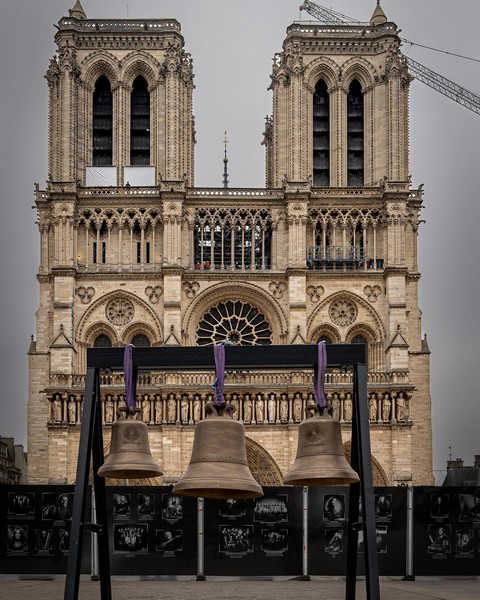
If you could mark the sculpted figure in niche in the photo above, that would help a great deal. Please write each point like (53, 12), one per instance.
(272, 408)
(146, 410)
(347, 407)
(247, 409)
(372, 408)
(335, 403)
(57, 409)
(122, 405)
(259, 409)
(158, 409)
(197, 403)
(71, 411)
(386, 408)
(401, 408)
(184, 409)
(234, 402)
(109, 410)
(171, 408)
(284, 408)
(297, 407)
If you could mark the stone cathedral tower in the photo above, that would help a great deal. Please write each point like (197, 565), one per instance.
(133, 252)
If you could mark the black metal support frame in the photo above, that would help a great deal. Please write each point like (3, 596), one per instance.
(202, 358)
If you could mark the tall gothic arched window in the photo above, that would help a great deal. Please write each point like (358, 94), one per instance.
(321, 135)
(102, 151)
(355, 136)
(140, 123)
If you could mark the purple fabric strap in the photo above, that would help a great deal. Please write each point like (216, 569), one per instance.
(130, 379)
(219, 353)
(319, 377)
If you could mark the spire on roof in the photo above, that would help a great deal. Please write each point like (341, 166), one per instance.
(225, 163)
(77, 11)
(378, 17)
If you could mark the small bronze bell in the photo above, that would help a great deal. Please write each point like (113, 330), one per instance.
(320, 456)
(130, 456)
(218, 466)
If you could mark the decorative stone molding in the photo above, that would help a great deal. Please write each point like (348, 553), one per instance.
(154, 293)
(190, 288)
(120, 311)
(315, 292)
(343, 312)
(372, 292)
(278, 288)
(85, 294)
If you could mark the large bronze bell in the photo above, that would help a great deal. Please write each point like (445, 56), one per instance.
(130, 456)
(320, 456)
(218, 466)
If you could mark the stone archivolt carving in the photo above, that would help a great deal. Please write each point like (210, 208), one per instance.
(85, 294)
(278, 288)
(119, 311)
(190, 288)
(154, 293)
(315, 292)
(372, 292)
(343, 312)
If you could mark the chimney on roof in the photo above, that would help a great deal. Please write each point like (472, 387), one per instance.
(477, 461)
(455, 464)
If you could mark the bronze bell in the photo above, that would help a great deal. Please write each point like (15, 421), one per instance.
(130, 456)
(320, 456)
(218, 466)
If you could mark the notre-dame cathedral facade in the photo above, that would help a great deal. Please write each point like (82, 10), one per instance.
(133, 252)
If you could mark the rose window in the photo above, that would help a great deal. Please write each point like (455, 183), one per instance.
(343, 312)
(119, 311)
(238, 323)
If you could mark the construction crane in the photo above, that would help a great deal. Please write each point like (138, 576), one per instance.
(435, 81)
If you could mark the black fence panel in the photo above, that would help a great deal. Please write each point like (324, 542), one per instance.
(255, 537)
(446, 531)
(152, 532)
(328, 531)
(35, 529)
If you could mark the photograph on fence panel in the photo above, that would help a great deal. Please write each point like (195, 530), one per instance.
(256, 537)
(446, 532)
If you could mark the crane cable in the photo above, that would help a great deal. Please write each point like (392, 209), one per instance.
(442, 51)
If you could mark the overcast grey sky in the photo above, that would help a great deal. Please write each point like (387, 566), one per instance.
(232, 43)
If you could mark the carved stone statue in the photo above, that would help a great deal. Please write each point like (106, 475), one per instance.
(336, 407)
(72, 410)
(386, 408)
(297, 407)
(158, 409)
(272, 408)
(247, 409)
(146, 410)
(401, 407)
(347, 407)
(197, 405)
(109, 410)
(284, 408)
(171, 408)
(57, 410)
(372, 408)
(259, 409)
(184, 409)
(235, 403)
